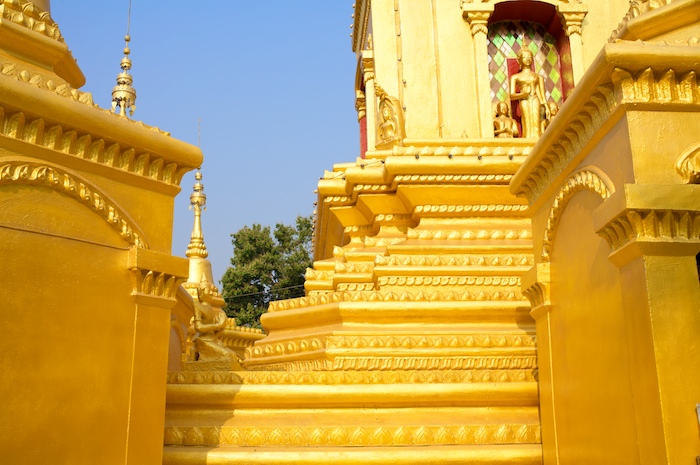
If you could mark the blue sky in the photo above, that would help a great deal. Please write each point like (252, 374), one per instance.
(272, 82)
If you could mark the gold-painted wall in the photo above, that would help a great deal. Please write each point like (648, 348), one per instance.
(590, 373)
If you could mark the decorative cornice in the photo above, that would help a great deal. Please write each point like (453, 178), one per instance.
(156, 276)
(320, 436)
(45, 81)
(649, 87)
(637, 8)
(614, 81)
(26, 14)
(688, 166)
(353, 377)
(390, 296)
(654, 225)
(68, 184)
(581, 180)
(360, 17)
(155, 283)
(19, 125)
(559, 154)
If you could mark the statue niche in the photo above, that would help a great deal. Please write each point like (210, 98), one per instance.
(390, 124)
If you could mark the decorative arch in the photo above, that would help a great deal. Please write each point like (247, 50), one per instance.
(68, 184)
(585, 179)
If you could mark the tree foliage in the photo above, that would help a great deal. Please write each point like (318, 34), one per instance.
(266, 265)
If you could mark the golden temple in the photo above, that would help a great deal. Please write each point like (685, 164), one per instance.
(508, 274)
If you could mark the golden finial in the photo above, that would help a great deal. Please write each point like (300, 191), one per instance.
(123, 94)
(198, 201)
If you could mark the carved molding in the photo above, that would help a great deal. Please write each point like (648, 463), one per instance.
(683, 226)
(688, 166)
(560, 153)
(391, 363)
(360, 294)
(451, 210)
(367, 66)
(30, 16)
(467, 235)
(390, 342)
(351, 377)
(456, 260)
(155, 283)
(452, 178)
(448, 281)
(360, 104)
(469, 151)
(319, 436)
(536, 289)
(37, 131)
(44, 81)
(579, 181)
(572, 21)
(637, 8)
(478, 21)
(62, 182)
(642, 88)
(360, 24)
(664, 87)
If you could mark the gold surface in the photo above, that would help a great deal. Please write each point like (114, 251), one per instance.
(446, 319)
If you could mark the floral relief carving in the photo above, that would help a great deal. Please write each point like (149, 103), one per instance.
(351, 377)
(319, 436)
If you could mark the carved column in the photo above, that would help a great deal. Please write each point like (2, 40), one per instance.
(572, 18)
(370, 98)
(477, 15)
(654, 234)
(536, 285)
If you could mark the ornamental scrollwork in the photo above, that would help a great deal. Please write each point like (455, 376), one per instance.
(688, 166)
(59, 181)
(579, 181)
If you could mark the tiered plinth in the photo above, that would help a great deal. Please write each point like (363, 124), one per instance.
(352, 417)
(414, 343)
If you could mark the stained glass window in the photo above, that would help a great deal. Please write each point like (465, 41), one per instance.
(506, 40)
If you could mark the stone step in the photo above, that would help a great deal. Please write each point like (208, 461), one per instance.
(520, 454)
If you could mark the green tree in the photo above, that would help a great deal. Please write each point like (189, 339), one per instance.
(266, 265)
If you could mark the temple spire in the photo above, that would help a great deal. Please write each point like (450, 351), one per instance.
(124, 94)
(198, 201)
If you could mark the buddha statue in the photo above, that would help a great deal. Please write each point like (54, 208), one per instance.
(390, 127)
(553, 110)
(527, 87)
(503, 125)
